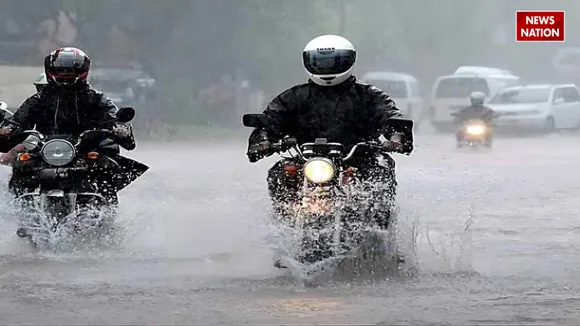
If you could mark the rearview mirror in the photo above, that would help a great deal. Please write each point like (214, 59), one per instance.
(255, 120)
(125, 114)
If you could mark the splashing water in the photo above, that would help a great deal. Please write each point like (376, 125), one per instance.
(376, 255)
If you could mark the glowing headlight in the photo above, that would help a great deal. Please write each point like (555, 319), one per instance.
(476, 130)
(319, 170)
(58, 152)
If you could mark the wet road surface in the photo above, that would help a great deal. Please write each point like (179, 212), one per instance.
(497, 242)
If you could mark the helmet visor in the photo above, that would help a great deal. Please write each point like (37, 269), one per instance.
(67, 67)
(328, 62)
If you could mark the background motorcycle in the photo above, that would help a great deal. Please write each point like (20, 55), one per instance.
(474, 133)
(69, 173)
(329, 214)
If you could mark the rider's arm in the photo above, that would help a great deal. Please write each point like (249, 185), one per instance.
(25, 116)
(382, 111)
(123, 133)
(489, 114)
(281, 113)
(281, 121)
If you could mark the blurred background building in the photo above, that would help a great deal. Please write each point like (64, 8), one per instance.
(202, 63)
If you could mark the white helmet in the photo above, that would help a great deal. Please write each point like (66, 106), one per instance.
(40, 82)
(329, 59)
(477, 98)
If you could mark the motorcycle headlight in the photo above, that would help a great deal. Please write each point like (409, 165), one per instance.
(319, 170)
(476, 130)
(58, 152)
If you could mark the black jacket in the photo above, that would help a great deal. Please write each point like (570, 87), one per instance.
(481, 112)
(347, 113)
(74, 111)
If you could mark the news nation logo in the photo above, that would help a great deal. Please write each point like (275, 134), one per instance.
(540, 26)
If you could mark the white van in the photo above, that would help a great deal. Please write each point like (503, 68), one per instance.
(403, 88)
(451, 93)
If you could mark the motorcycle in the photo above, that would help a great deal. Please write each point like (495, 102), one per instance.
(67, 174)
(330, 215)
(474, 133)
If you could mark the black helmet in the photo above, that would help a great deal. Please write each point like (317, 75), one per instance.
(67, 66)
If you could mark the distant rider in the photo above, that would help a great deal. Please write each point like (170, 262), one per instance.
(476, 111)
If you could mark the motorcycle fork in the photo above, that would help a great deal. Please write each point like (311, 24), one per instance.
(325, 192)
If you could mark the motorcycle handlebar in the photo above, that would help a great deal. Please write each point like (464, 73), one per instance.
(284, 144)
(385, 147)
(371, 145)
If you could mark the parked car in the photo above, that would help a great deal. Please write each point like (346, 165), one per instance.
(542, 107)
(451, 93)
(122, 85)
(403, 88)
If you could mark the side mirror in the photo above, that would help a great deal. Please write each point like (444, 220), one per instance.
(559, 100)
(4, 112)
(255, 120)
(125, 114)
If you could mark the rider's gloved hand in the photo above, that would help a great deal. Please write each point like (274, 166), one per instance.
(258, 150)
(120, 131)
(400, 143)
(392, 146)
(6, 130)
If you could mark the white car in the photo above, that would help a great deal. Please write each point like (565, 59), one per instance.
(451, 93)
(542, 107)
(403, 88)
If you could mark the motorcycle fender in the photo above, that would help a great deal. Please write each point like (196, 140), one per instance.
(100, 198)
(90, 194)
(29, 196)
(54, 193)
(43, 196)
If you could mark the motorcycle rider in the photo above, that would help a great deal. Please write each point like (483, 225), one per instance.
(335, 105)
(40, 82)
(6, 159)
(476, 111)
(67, 104)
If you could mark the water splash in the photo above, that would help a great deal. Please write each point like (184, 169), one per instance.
(377, 255)
(452, 249)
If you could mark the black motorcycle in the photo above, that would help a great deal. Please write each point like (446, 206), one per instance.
(331, 215)
(68, 176)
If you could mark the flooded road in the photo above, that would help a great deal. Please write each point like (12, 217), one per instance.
(497, 242)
